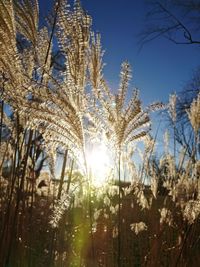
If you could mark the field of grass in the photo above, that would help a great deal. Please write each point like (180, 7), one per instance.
(58, 115)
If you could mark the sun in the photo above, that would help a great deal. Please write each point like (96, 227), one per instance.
(98, 162)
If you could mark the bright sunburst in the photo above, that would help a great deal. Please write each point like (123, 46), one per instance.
(98, 163)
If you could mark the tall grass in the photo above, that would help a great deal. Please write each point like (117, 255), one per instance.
(151, 220)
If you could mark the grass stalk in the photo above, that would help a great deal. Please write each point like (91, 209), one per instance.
(62, 173)
(1, 122)
(70, 176)
(19, 198)
(119, 211)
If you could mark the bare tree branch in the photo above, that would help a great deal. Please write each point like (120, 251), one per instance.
(175, 20)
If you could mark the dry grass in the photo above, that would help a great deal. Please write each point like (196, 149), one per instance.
(69, 222)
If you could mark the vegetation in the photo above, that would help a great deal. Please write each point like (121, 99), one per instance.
(59, 103)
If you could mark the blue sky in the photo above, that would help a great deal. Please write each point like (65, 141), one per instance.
(160, 68)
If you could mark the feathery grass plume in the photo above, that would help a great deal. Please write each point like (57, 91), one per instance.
(43, 53)
(73, 38)
(172, 107)
(60, 207)
(138, 227)
(10, 63)
(27, 19)
(18, 65)
(166, 137)
(194, 114)
(95, 64)
(128, 166)
(140, 196)
(192, 211)
(166, 216)
(7, 35)
(125, 124)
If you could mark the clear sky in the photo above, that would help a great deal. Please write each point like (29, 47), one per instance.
(159, 68)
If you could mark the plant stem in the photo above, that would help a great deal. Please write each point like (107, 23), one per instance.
(88, 175)
(57, 6)
(2, 108)
(19, 197)
(62, 174)
(183, 246)
(1, 122)
(174, 127)
(91, 222)
(70, 176)
(119, 211)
